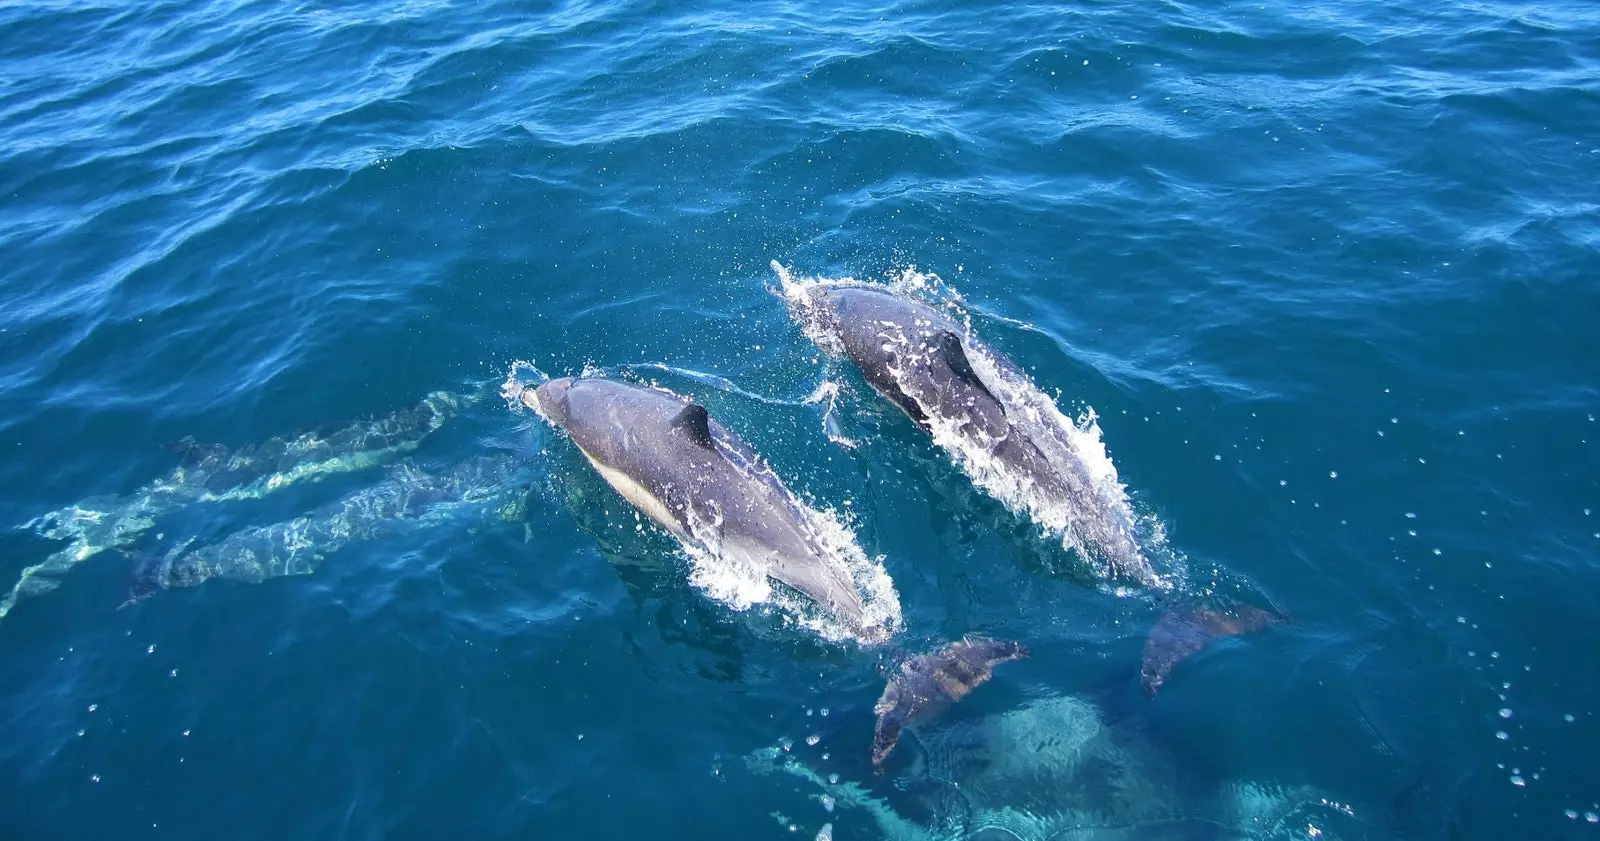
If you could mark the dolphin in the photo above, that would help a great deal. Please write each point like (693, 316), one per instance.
(982, 410)
(1186, 629)
(212, 473)
(928, 684)
(702, 483)
(408, 496)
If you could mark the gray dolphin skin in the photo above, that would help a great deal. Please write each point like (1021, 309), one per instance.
(702, 483)
(928, 684)
(923, 362)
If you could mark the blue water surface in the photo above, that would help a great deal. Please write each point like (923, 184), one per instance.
(1326, 274)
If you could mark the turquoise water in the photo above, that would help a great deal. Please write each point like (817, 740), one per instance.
(1325, 274)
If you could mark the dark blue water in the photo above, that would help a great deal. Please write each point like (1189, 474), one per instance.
(1326, 274)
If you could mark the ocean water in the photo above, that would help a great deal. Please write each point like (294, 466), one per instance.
(1324, 276)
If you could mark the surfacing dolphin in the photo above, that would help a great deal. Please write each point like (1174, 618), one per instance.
(716, 495)
(979, 407)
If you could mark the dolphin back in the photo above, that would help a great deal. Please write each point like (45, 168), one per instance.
(703, 483)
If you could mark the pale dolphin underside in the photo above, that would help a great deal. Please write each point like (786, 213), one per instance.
(214, 473)
(706, 486)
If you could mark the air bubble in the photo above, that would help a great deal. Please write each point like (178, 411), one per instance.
(1505, 712)
(813, 739)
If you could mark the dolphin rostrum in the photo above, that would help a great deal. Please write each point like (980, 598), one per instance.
(1005, 434)
(701, 482)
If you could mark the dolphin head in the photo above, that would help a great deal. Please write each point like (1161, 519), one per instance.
(550, 400)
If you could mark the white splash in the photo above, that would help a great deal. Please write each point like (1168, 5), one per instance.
(1090, 512)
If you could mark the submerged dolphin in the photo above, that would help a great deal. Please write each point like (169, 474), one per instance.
(982, 410)
(928, 684)
(706, 486)
(408, 496)
(214, 473)
(1185, 630)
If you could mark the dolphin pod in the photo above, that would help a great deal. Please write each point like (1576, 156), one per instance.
(706, 486)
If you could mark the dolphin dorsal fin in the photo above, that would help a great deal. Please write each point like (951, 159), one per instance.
(694, 422)
(949, 347)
